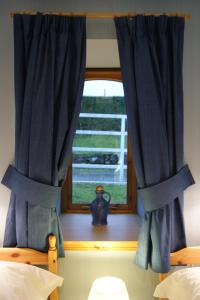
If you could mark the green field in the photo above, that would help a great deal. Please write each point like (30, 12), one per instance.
(98, 141)
(85, 192)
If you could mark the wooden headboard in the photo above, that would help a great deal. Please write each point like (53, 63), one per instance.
(189, 256)
(33, 257)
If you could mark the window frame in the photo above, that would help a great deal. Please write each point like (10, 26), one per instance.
(66, 195)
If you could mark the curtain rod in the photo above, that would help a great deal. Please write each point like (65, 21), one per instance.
(108, 15)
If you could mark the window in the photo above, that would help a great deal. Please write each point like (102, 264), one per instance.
(101, 148)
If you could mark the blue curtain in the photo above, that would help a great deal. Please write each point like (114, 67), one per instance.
(151, 55)
(49, 54)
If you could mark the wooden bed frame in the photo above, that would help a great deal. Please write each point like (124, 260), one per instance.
(189, 256)
(33, 257)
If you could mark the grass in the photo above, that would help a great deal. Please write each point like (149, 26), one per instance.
(85, 193)
(97, 141)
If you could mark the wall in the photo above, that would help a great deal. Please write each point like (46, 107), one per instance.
(75, 266)
(78, 278)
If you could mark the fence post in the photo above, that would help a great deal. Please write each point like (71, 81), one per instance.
(122, 148)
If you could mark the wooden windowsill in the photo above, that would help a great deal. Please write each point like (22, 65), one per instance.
(121, 233)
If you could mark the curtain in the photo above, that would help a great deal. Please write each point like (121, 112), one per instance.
(49, 53)
(151, 55)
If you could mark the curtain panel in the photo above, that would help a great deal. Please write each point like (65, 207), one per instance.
(151, 55)
(49, 53)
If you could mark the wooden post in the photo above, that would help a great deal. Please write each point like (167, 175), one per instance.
(52, 263)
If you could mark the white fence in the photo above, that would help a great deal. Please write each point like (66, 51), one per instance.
(122, 150)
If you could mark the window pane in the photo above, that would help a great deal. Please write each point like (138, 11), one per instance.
(100, 144)
(100, 104)
(84, 191)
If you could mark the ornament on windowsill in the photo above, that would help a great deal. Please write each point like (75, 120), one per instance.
(100, 207)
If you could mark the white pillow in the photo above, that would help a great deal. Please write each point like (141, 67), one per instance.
(180, 285)
(22, 281)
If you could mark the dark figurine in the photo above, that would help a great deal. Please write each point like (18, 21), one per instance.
(100, 207)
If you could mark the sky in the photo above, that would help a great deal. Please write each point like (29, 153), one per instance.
(103, 88)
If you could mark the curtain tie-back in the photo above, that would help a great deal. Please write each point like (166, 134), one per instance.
(33, 192)
(158, 195)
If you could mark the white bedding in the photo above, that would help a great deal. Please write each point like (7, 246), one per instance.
(183, 284)
(22, 281)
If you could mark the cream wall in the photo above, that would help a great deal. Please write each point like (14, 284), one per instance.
(84, 267)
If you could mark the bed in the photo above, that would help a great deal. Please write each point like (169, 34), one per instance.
(35, 258)
(184, 283)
